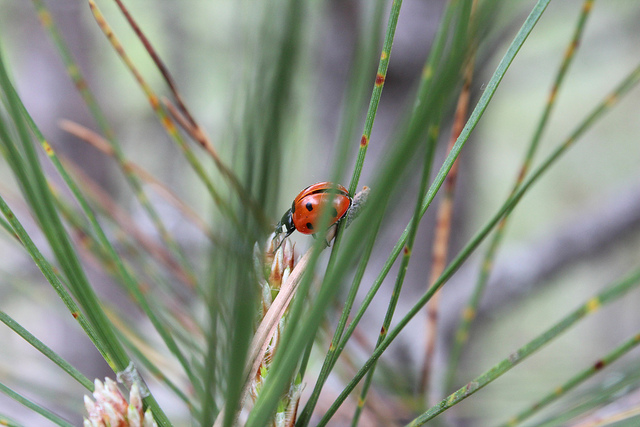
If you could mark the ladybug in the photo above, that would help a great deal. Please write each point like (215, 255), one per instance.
(305, 211)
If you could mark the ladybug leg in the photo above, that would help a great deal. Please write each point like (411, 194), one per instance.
(327, 238)
(277, 241)
(330, 234)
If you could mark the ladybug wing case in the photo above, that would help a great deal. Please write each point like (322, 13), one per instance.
(307, 210)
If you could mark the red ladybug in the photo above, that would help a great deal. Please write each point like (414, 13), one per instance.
(305, 211)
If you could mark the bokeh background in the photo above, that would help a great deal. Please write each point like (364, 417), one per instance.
(573, 233)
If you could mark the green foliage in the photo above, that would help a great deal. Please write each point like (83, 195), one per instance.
(196, 302)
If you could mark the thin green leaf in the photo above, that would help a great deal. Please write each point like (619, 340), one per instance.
(34, 406)
(42, 348)
(611, 100)
(466, 319)
(576, 380)
(43, 206)
(610, 294)
(6, 421)
(83, 88)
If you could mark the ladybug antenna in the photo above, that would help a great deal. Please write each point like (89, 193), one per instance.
(279, 243)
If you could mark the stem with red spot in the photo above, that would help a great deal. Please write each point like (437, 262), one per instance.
(377, 93)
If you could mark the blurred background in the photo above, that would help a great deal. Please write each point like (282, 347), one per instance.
(575, 232)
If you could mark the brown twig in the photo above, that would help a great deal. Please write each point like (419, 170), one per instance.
(269, 323)
(381, 409)
(274, 314)
(126, 223)
(186, 120)
(172, 130)
(179, 117)
(198, 135)
(443, 231)
(156, 59)
(103, 145)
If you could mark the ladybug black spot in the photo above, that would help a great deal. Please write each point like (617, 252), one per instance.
(310, 226)
(335, 213)
(309, 206)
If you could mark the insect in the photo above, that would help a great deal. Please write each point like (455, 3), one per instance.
(306, 209)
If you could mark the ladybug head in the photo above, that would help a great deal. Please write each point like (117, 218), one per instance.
(286, 227)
